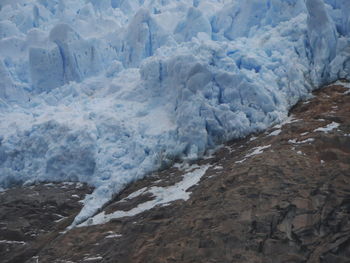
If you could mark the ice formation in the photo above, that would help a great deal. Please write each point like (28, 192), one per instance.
(106, 91)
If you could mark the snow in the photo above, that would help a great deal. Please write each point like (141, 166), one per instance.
(275, 133)
(11, 242)
(341, 83)
(113, 235)
(162, 196)
(253, 138)
(345, 85)
(134, 194)
(288, 120)
(330, 127)
(241, 161)
(185, 166)
(106, 92)
(92, 259)
(255, 151)
(59, 220)
(294, 141)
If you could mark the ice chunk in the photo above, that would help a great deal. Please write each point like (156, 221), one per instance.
(80, 58)
(340, 15)
(9, 91)
(8, 29)
(323, 40)
(126, 6)
(242, 18)
(6, 83)
(46, 67)
(72, 59)
(143, 37)
(49, 150)
(345, 6)
(192, 25)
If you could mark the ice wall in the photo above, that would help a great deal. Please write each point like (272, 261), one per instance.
(244, 18)
(323, 40)
(105, 92)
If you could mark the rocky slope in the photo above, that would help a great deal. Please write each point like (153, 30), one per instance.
(279, 196)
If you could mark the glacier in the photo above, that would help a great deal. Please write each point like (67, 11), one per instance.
(108, 91)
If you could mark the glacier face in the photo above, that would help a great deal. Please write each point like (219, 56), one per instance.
(107, 91)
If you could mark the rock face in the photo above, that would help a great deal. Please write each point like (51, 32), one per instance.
(31, 217)
(280, 196)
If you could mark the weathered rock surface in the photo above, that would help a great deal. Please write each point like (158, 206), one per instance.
(31, 217)
(280, 196)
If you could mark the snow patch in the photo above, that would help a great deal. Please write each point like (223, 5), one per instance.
(92, 259)
(341, 83)
(162, 197)
(253, 138)
(288, 120)
(112, 235)
(11, 242)
(294, 141)
(275, 133)
(256, 151)
(330, 127)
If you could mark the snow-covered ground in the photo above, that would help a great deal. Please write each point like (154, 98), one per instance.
(106, 91)
(330, 127)
(162, 196)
